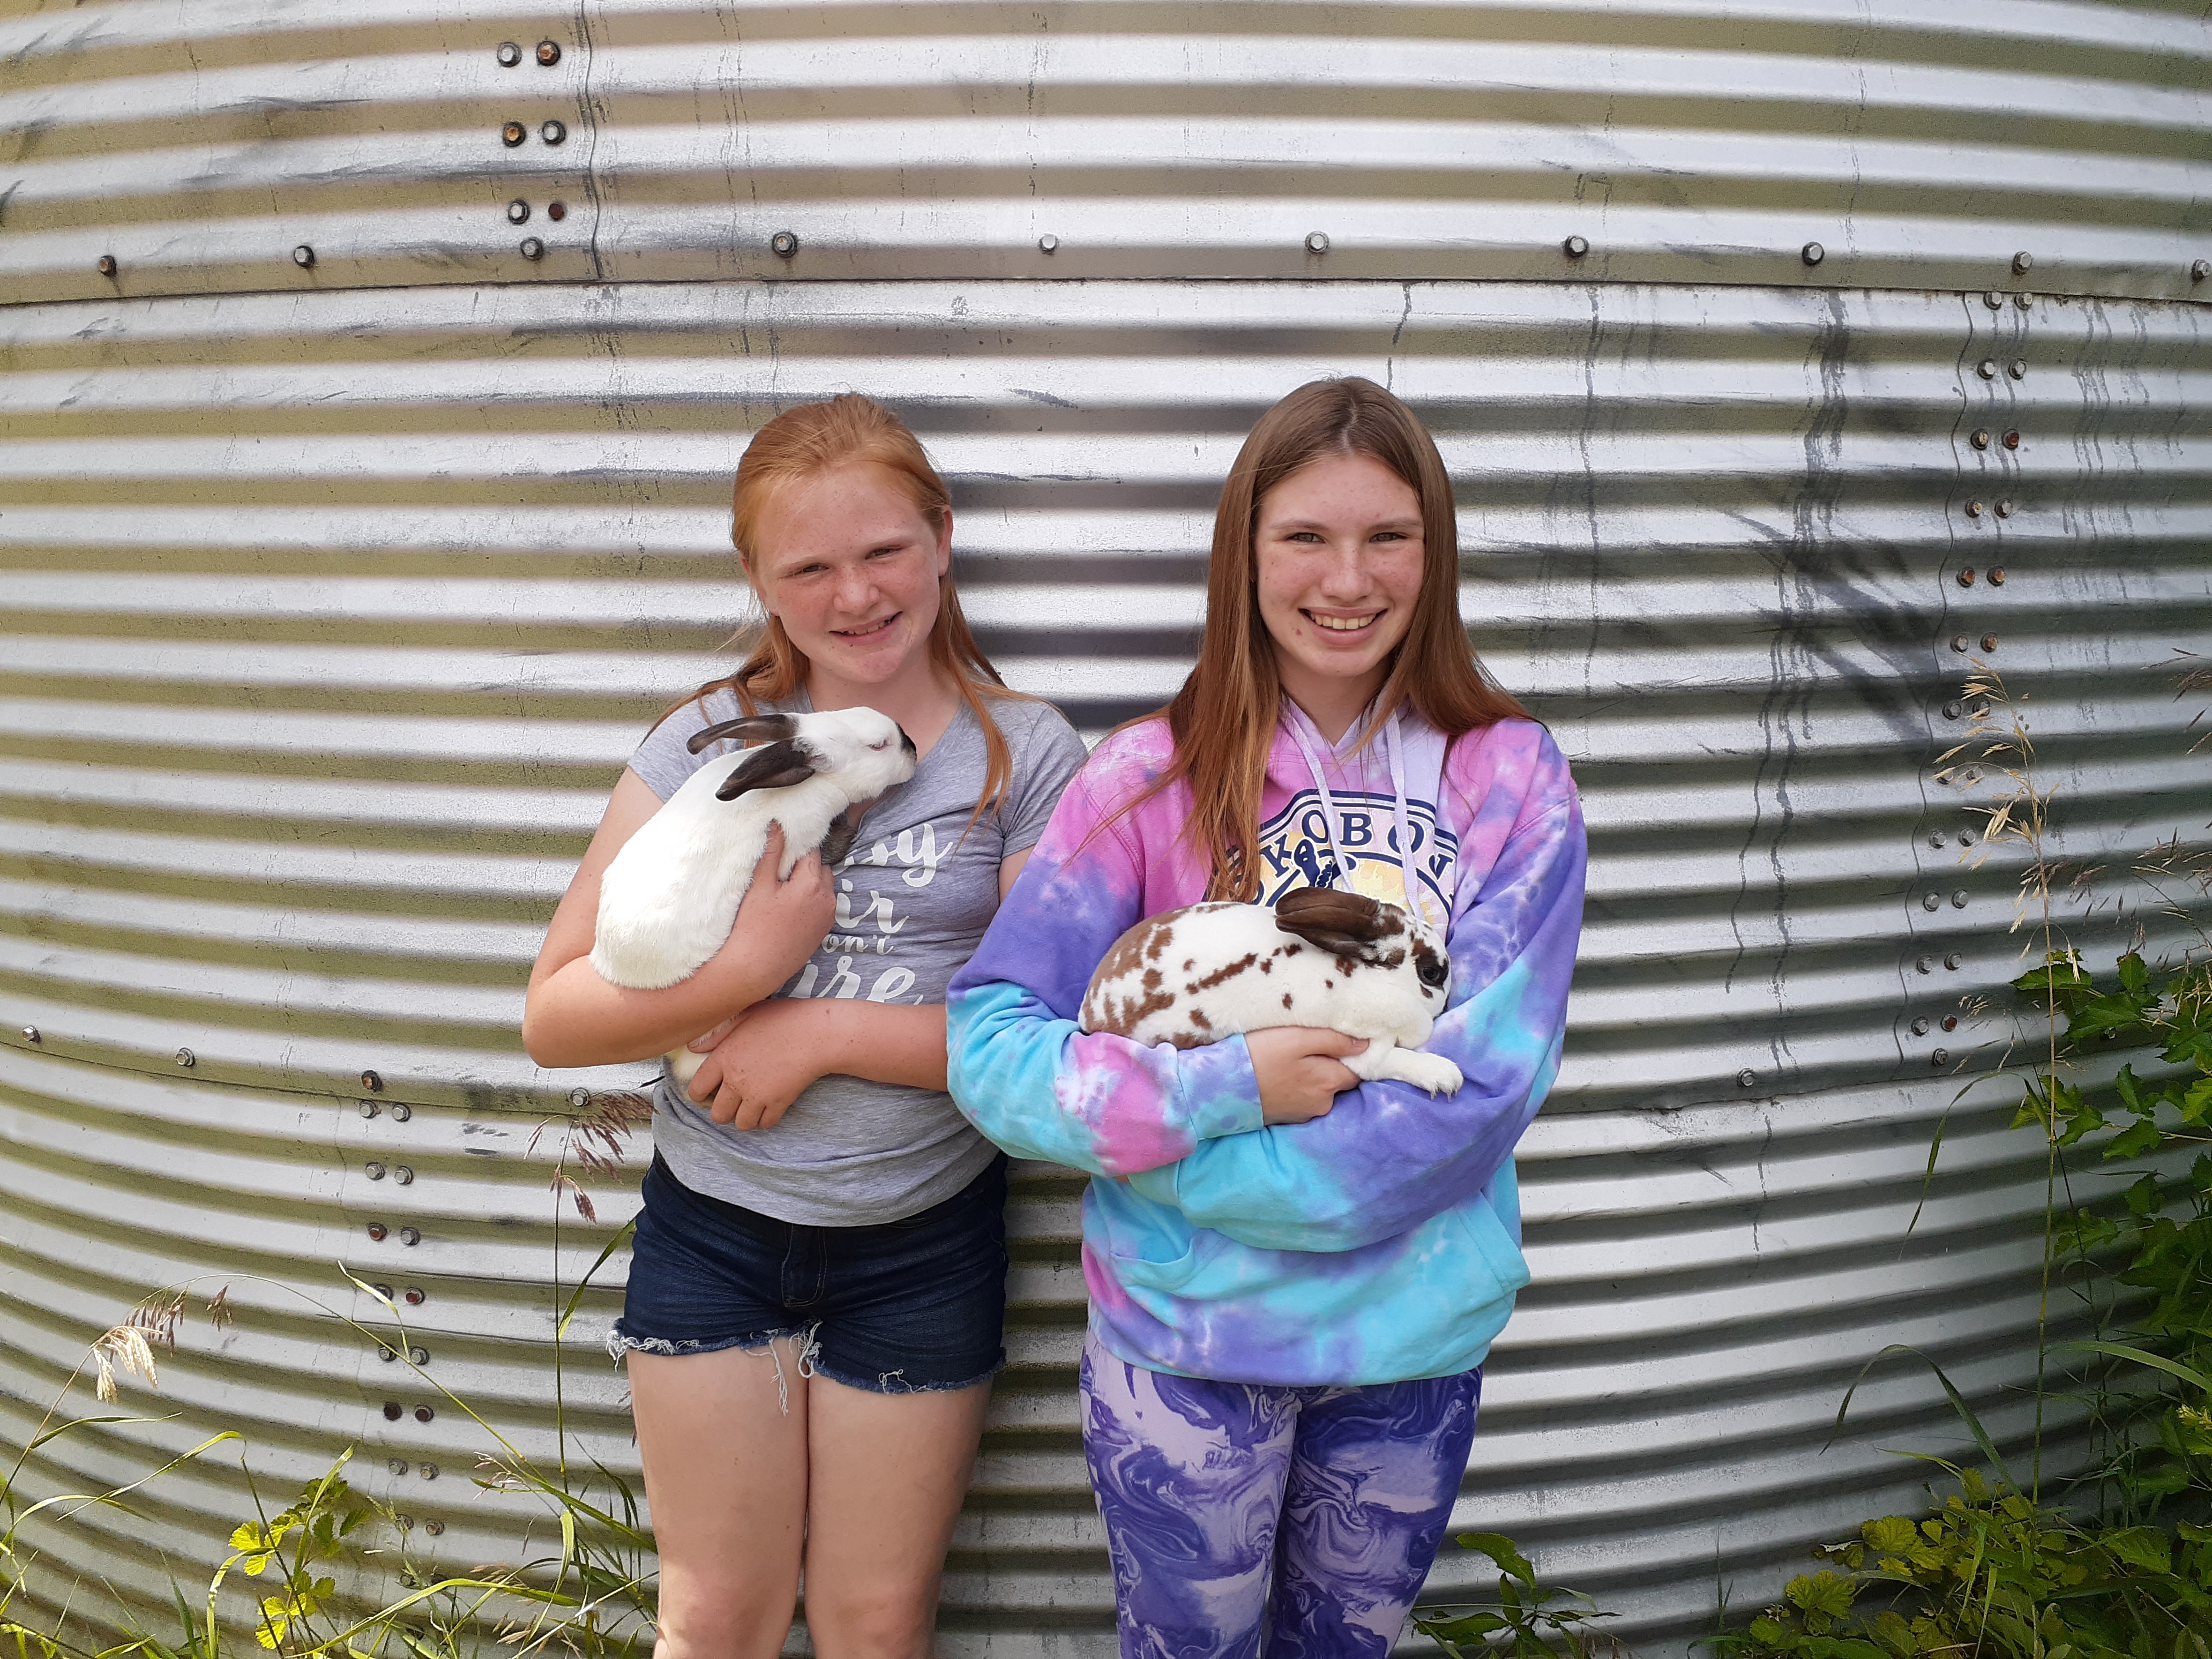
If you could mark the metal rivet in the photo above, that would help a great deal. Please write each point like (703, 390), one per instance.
(186, 1059)
(373, 1171)
(509, 54)
(1047, 244)
(31, 1034)
(1987, 369)
(1950, 1021)
(1961, 644)
(1967, 836)
(2018, 368)
(1953, 960)
(2022, 302)
(384, 1352)
(1988, 641)
(403, 1176)
(384, 1291)
(556, 211)
(579, 1098)
(2022, 262)
(376, 1232)
(2004, 507)
(1316, 241)
(1745, 1078)
(1996, 576)
(1930, 901)
(303, 256)
(1575, 247)
(1959, 899)
(1969, 776)
(783, 244)
(1979, 437)
(1965, 578)
(397, 1465)
(424, 1414)
(518, 212)
(373, 1084)
(2012, 439)
(414, 1295)
(533, 248)
(1938, 838)
(1973, 509)
(370, 1108)
(106, 264)
(513, 134)
(1951, 712)
(1941, 1057)
(420, 1356)
(1923, 964)
(392, 1409)
(1993, 300)
(553, 132)
(435, 1528)
(549, 53)
(2200, 270)
(401, 1111)
(410, 1235)
(429, 1471)
(1920, 1028)
(405, 1522)
(1811, 253)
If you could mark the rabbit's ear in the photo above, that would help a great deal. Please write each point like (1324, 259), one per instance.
(753, 728)
(778, 766)
(1347, 925)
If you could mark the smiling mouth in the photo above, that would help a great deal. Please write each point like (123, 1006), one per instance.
(1343, 624)
(866, 630)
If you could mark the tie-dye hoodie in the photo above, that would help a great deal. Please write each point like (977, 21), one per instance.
(1378, 1243)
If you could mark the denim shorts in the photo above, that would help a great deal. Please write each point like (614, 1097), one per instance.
(905, 1307)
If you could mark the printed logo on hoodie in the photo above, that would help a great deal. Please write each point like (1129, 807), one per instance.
(1295, 850)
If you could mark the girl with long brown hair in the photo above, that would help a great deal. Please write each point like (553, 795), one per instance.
(816, 1283)
(1294, 1276)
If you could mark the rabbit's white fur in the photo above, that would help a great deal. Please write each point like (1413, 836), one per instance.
(667, 899)
(1319, 957)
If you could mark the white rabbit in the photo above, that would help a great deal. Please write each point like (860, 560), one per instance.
(667, 899)
(1318, 957)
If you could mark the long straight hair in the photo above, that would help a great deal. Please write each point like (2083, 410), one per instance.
(803, 442)
(1224, 718)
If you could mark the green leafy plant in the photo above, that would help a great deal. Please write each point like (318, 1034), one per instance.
(588, 1589)
(2124, 1568)
(1527, 1619)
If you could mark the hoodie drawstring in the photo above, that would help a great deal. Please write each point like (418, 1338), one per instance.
(1400, 816)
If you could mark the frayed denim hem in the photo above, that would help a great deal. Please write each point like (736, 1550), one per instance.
(894, 1381)
(620, 1347)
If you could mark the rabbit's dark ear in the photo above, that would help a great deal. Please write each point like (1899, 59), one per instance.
(1344, 924)
(844, 831)
(753, 728)
(778, 766)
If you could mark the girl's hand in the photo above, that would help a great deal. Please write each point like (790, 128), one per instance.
(757, 1062)
(779, 924)
(1300, 1070)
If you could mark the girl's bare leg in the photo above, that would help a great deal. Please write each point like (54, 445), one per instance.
(725, 1473)
(888, 1473)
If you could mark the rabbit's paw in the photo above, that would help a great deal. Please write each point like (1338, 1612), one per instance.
(1430, 1072)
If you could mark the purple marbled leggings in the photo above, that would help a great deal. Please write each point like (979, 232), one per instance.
(1290, 1522)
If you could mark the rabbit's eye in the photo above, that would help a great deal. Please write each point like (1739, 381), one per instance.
(885, 744)
(1433, 971)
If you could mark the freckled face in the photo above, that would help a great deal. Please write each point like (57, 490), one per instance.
(848, 564)
(1337, 551)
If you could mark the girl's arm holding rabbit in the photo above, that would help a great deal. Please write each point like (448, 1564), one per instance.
(574, 1017)
(1388, 1156)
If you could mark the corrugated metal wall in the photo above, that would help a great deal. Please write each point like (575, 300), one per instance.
(330, 615)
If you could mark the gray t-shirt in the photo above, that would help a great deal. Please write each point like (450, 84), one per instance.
(913, 897)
